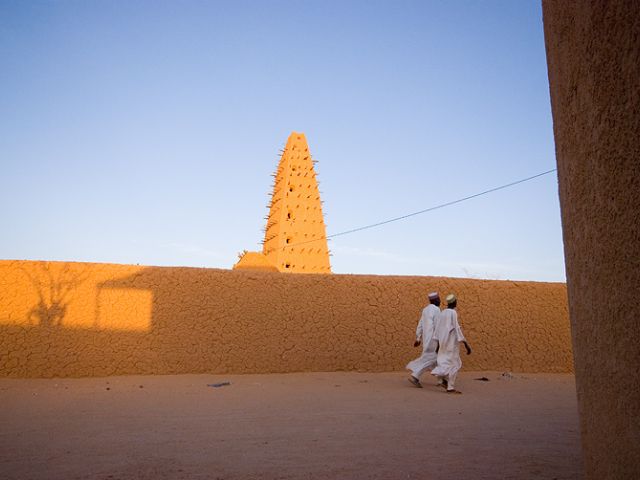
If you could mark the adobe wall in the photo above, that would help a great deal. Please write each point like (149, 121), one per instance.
(75, 319)
(593, 54)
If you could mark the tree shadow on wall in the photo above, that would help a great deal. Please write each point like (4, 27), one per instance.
(154, 321)
(161, 320)
(54, 292)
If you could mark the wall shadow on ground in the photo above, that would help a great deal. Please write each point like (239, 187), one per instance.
(164, 320)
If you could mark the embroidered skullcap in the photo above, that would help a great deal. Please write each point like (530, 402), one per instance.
(433, 295)
(451, 298)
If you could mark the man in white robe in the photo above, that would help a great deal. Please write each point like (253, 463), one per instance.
(449, 336)
(424, 335)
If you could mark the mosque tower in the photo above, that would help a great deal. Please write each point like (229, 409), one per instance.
(295, 236)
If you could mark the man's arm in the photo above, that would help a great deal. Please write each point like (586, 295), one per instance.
(460, 335)
(418, 333)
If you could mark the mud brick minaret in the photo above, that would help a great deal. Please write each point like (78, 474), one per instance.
(295, 236)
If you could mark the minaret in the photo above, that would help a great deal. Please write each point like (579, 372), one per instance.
(295, 237)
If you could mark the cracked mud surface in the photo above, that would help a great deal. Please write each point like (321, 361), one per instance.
(79, 319)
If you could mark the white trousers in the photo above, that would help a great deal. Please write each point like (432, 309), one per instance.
(424, 362)
(451, 380)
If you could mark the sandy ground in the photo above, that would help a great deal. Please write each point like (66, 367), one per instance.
(286, 426)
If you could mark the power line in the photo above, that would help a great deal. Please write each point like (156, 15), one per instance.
(419, 212)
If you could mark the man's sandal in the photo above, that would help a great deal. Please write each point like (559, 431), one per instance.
(415, 382)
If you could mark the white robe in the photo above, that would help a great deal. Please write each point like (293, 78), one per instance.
(449, 334)
(425, 332)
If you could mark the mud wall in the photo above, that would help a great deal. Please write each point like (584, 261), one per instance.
(593, 53)
(74, 319)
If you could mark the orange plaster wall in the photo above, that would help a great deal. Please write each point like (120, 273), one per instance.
(593, 55)
(78, 319)
(254, 261)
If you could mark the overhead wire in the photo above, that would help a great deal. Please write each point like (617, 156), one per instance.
(420, 212)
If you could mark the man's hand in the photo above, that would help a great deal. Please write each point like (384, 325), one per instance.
(416, 343)
(468, 348)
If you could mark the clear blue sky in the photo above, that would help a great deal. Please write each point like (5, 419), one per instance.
(146, 132)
